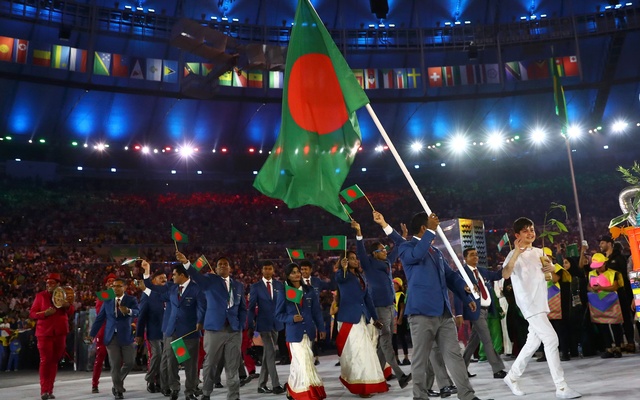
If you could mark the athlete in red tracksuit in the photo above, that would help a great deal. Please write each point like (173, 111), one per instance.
(52, 327)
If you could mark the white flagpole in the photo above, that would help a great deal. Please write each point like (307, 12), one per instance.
(413, 185)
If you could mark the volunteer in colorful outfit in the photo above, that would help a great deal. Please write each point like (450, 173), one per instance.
(604, 304)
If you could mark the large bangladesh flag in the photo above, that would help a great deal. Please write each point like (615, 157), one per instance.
(319, 134)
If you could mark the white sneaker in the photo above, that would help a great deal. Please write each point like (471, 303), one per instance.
(567, 393)
(515, 388)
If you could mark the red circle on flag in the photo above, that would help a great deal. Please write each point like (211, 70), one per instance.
(181, 351)
(352, 193)
(199, 264)
(315, 98)
(177, 236)
(333, 242)
(295, 253)
(104, 295)
(291, 293)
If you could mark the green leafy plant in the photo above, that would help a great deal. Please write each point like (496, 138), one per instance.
(631, 176)
(553, 227)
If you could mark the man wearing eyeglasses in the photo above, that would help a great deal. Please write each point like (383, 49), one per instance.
(117, 314)
(377, 270)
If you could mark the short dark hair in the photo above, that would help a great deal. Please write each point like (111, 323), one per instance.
(223, 258)
(123, 280)
(267, 263)
(304, 263)
(374, 246)
(352, 252)
(180, 269)
(417, 221)
(467, 250)
(521, 223)
(157, 273)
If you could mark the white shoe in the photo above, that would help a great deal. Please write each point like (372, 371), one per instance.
(567, 393)
(515, 388)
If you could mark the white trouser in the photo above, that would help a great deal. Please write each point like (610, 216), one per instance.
(540, 331)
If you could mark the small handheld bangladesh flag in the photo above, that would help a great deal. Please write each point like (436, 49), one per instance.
(180, 350)
(292, 294)
(504, 240)
(352, 193)
(295, 254)
(334, 243)
(347, 210)
(201, 262)
(106, 294)
(178, 236)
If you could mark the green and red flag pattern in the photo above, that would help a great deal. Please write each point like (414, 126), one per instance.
(292, 294)
(104, 295)
(319, 135)
(503, 240)
(178, 236)
(352, 193)
(334, 243)
(561, 105)
(180, 350)
(295, 254)
(201, 262)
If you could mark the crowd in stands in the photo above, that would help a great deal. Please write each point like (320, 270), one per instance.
(84, 229)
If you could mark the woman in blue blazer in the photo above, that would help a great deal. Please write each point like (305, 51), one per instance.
(302, 320)
(357, 338)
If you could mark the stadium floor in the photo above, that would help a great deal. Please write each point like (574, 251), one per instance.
(594, 377)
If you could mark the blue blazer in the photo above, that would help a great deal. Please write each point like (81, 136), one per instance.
(488, 278)
(121, 322)
(354, 301)
(378, 272)
(264, 320)
(310, 311)
(318, 284)
(217, 313)
(429, 277)
(185, 313)
(151, 316)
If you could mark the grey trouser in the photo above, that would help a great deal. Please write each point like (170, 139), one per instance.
(121, 359)
(269, 340)
(441, 330)
(216, 344)
(480, 332)
(385, 346)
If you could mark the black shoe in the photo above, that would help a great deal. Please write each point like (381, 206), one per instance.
(94, 389)
(51, 396)
(278, 389)
(205, 397)
(565, 357)
(453, 389)
(433, 393)
(174, 394)
(119, 395)
(218, 385)
(542, 358)
(391, 377)
(166, 392)
(404, 380)
(45, 396)
(113, 390)
(264, 389)
(151, 387)
(254, 375)
(191, 397)
(338, 364)
(499, 375)
(244, 381)
(473, 360)
(316, 362)
(197, 391)
(470, 375)
(405, 362)
(445, 392)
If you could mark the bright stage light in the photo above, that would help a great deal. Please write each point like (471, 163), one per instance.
(186, 151)
(495, 140)
(113, 170)
(459, 144)
(619, 126)
(145, 150)
(173, 172)
(99, 147)
(538, 136)
(417, 147)
(379, 149)
(574, 132)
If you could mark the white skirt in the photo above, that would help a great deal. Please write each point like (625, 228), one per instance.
(304, 382)
(360, 367)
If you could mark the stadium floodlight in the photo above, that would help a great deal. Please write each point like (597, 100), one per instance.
(495, 141)
(459, 144)
(417, 147)
(538, 135)
(619, 126)
(574, 132)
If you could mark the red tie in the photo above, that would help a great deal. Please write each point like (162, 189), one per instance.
(483, 292)
(308, 283)
(269, 289)
(180, 291)
(117, 306)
